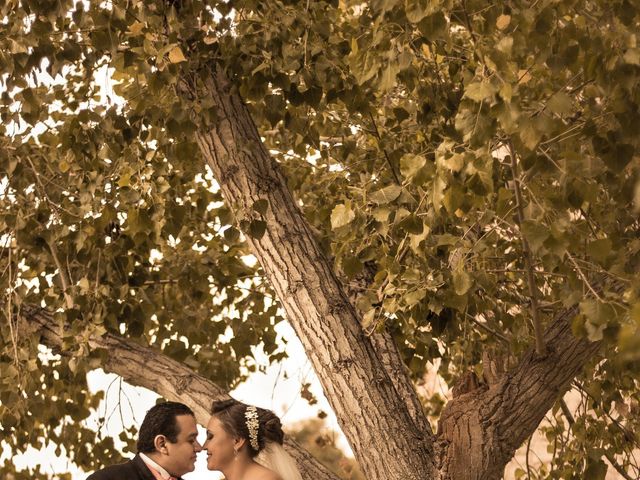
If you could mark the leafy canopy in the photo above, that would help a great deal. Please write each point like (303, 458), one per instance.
(404, 129)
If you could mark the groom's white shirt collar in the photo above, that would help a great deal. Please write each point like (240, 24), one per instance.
(163, 473)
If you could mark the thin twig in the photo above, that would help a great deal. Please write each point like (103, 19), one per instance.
(584, 278)
(98, 271)
(498, 335)
(62, 273)
(567, 412)
(12, 332)
(43, 191)
(537, 325)
(384, 151)
(537, 272)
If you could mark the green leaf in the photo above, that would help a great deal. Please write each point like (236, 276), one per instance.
(368, 318)
(437, 193)
(176, 55)
(462, 282)
(416, 10)
(530, 135)
(386, 194)
(503, 21)
(388, 78)
(599, 249)
(455, 162)
(351, 266)
(341, 215)
(479, 91)
(84, 284)
(261, 206)
(410, 164)
(560, 103)
(453, 198)
(381, 214)
(598, 316)
(632, 56)
(578, 326)
(411, 224)
(414, 297)
(596, 470)
(505, 45)
(416, 240)
(535, 233)
(231, 234)
(257, 228)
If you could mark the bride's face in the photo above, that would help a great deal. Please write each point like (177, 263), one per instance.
(219, 445)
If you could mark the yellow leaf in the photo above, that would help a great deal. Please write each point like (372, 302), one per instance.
(176, 55)
(632, 56)
(560, 103)
(341, 215)
(426, 51)
(136, 28)
(455, 162)
(84, 284)
(503, 21)
(125, 180)
(524, 76)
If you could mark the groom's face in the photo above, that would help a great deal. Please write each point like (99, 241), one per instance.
(181, 455)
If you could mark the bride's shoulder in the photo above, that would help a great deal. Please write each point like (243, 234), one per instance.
(263, 473)
(267, 475)
(270, 475)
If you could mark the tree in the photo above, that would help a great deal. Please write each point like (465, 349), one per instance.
(449, 184)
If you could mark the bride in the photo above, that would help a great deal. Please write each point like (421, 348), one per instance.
(245, 443)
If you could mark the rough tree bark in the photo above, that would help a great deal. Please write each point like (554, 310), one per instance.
(367, 404)
(145, 367)
(480, 431)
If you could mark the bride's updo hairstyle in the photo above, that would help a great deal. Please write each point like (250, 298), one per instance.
(238, 419)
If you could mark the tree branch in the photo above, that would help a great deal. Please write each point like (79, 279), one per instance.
(531, 281)
(145, 367)
(63, 275)
(490, 424)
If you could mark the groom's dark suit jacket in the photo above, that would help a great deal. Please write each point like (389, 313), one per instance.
(134, 469)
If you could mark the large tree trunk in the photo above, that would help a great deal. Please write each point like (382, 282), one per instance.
(145, 367)
(377, 421)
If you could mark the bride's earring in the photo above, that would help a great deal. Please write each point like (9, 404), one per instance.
(235, 453)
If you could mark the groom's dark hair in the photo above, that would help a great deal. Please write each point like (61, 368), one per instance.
(161, 420)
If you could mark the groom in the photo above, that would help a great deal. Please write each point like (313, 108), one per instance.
(167, 447)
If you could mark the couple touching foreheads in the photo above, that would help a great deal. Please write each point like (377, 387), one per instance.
(243, 442)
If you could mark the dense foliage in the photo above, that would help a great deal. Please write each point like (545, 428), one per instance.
(473, 169)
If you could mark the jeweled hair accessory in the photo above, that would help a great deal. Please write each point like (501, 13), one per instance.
(253, 424)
